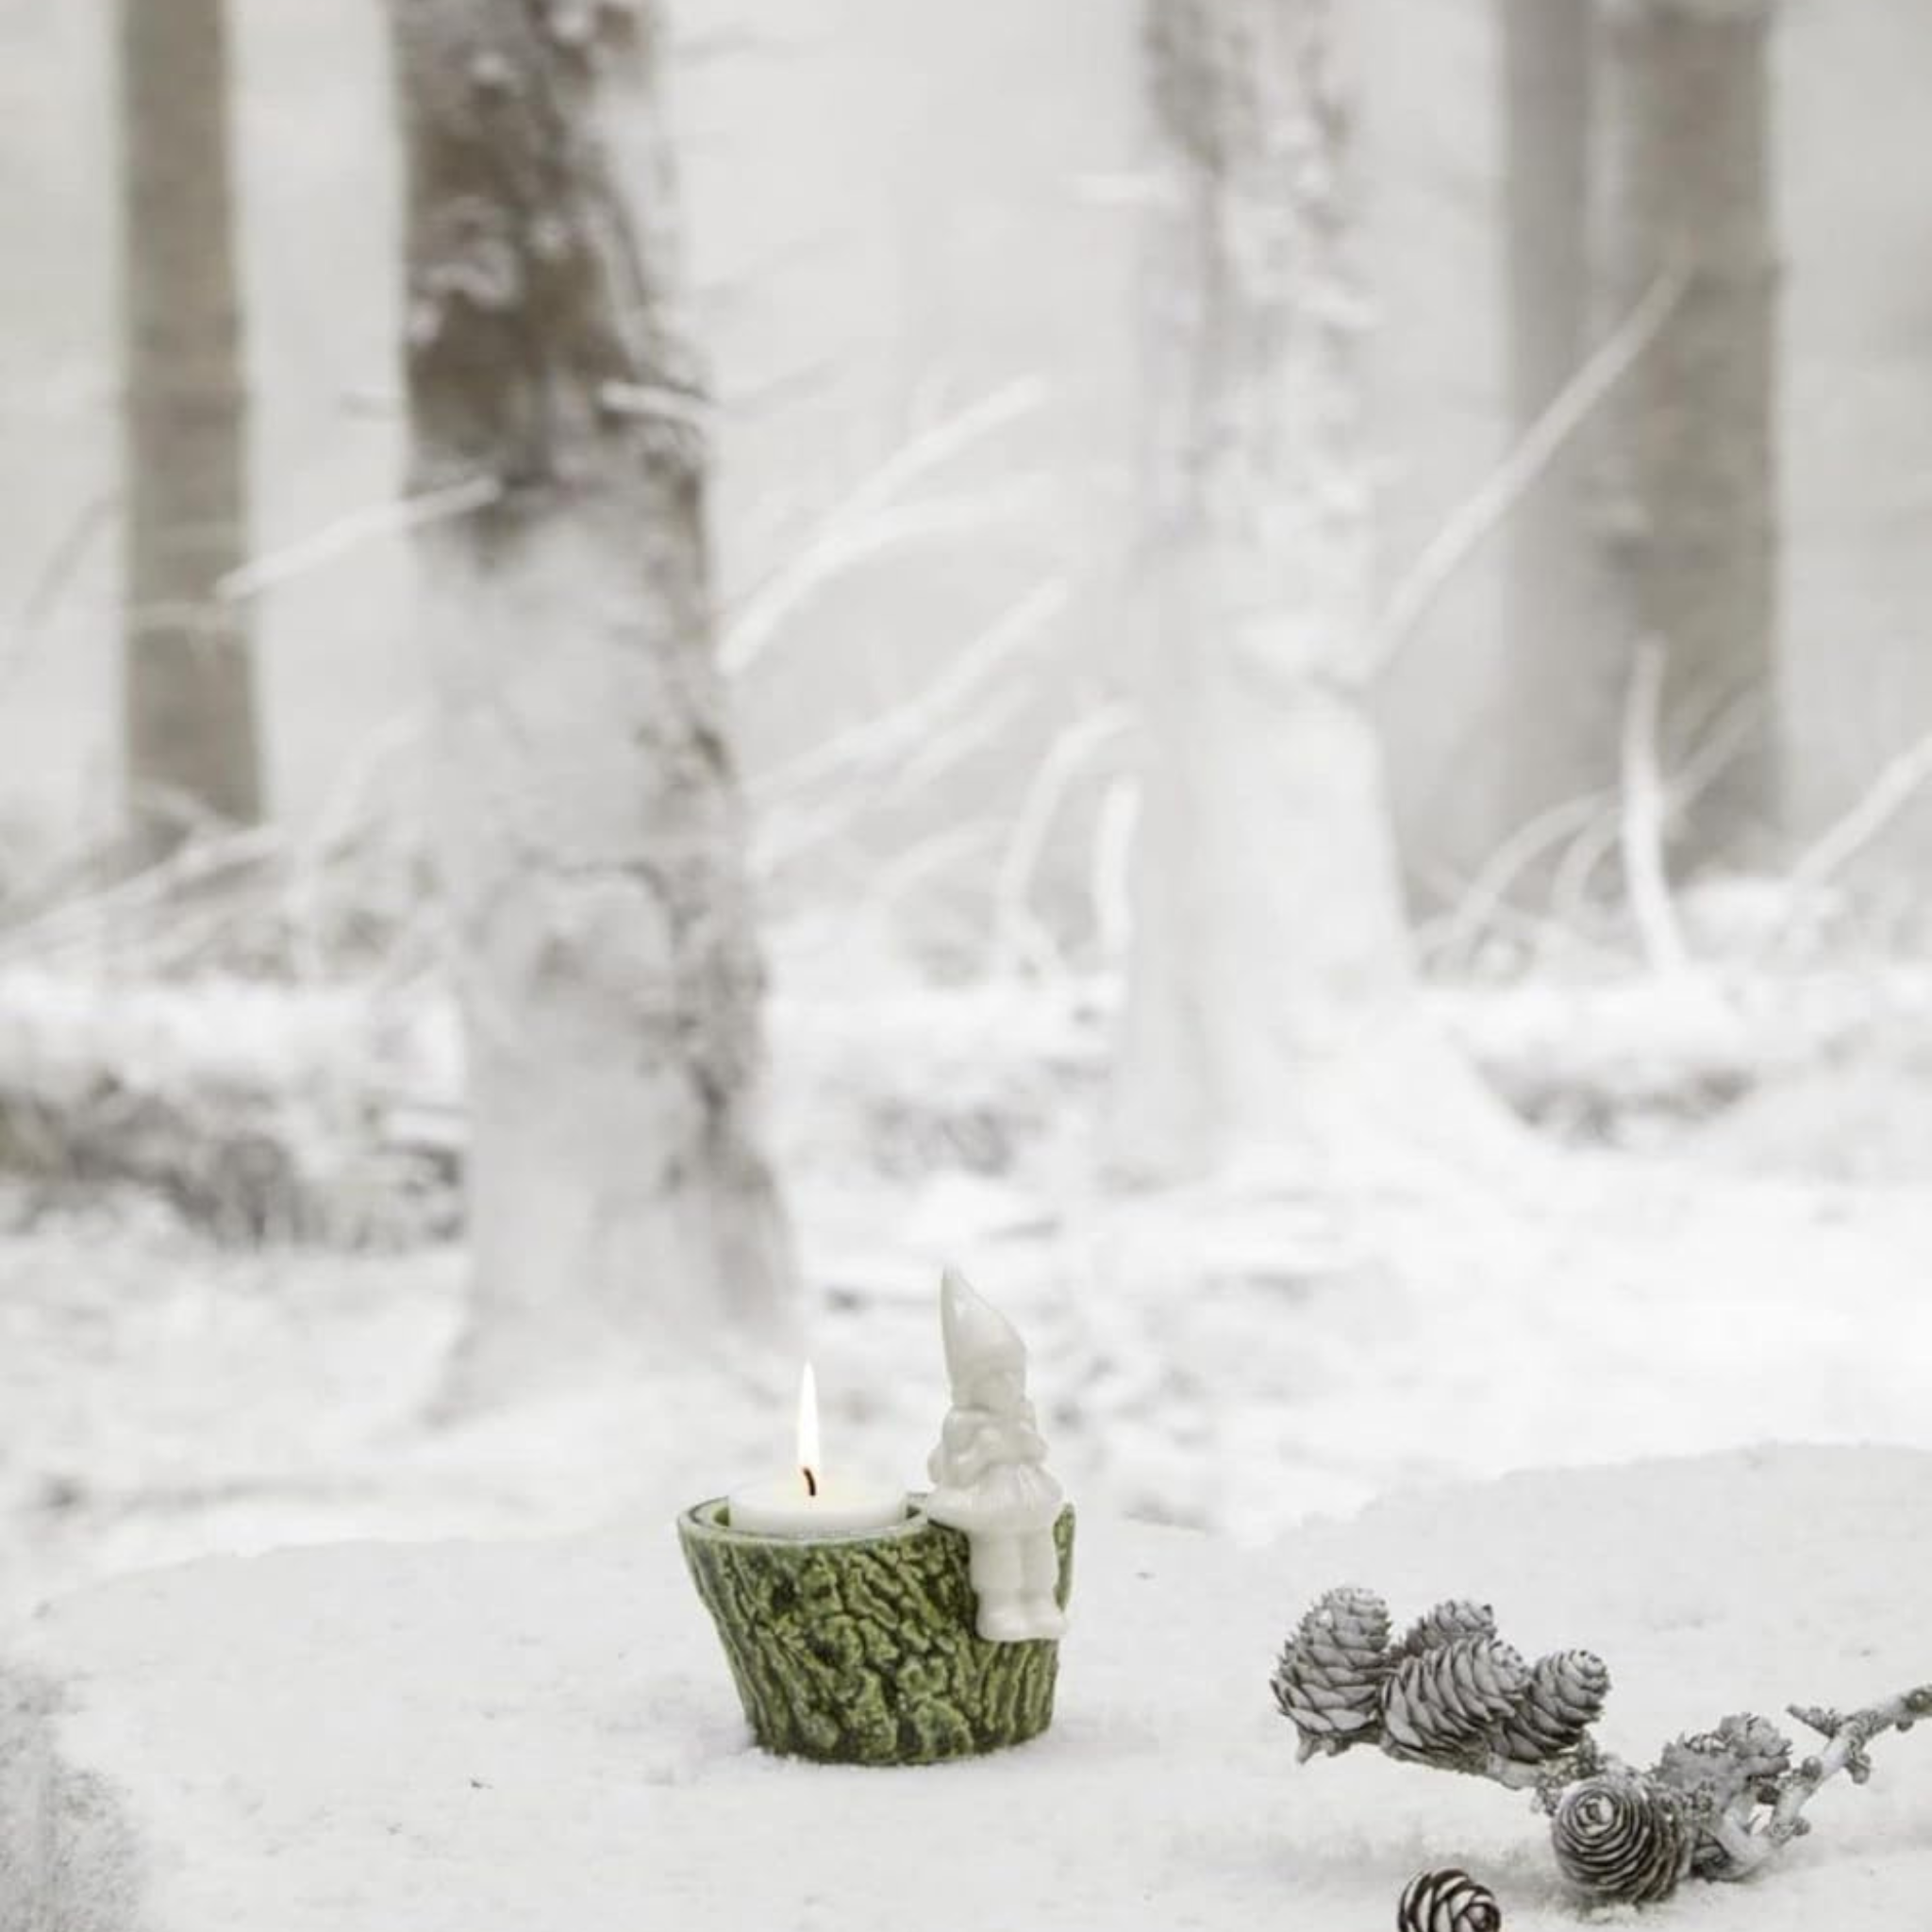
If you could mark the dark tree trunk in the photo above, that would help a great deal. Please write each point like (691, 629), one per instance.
(591, 832)
(1568, 669)
(1688, 478)
(187, 679)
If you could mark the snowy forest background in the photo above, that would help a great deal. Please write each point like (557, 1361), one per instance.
(1123, 471)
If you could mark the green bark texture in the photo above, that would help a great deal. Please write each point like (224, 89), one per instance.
(860, 1649)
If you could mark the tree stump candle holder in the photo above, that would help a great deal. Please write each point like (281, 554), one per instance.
(859, 1647)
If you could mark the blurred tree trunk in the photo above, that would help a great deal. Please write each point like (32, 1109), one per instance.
(1568, 667)
(1688, 478)
(1270, 964)
(188, 692)
(622, 1214)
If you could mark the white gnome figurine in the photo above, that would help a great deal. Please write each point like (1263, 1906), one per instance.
(988, 1472)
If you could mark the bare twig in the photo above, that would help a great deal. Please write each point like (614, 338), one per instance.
(932, 854)
(196, 863)
(1115, 827)
(896, 734)
(841, 544)
(1877, 805)
(659, 401)
(1641, 821)
(64, 559)
(749, 632)
(351, 532)
(1481, 515)
(1065, 759)
(786, 834)
(1714, 750)
(1475, 910)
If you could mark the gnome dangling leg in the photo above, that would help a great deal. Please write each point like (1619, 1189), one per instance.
(996, 1565)
(988, 1472)
(1039, 1582)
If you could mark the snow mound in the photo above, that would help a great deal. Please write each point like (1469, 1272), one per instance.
(513, 1735)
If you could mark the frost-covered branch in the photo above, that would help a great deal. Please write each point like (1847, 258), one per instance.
(883, 742)
(1484, 513)
(845, 532)
(1876, 807)
(1641, 826)
(351, 532)
(1846, 1739)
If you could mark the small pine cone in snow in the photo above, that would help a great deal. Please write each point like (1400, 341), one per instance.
(1329, 1678)
(1564, 1697)
(1447, 1901)
(1621, 1838)
(1457, 1617)
(1438, 1705)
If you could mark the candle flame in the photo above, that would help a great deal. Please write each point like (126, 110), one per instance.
(808, 1430)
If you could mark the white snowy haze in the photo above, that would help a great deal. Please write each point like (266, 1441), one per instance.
(1257, 668)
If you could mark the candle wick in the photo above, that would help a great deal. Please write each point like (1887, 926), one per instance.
(811, 1484)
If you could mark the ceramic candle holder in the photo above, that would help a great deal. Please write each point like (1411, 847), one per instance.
(859, 1648)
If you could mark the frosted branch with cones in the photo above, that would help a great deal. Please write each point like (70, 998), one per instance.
(1450, 1693)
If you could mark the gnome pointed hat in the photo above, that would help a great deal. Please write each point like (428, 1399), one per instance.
(978, 1338)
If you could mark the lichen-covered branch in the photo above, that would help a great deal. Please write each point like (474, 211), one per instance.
(1845, 1750)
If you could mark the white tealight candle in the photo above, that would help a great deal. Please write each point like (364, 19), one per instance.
(806, 1502)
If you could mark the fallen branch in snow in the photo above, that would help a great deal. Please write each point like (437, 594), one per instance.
(256, 1112)
(1452, 1696)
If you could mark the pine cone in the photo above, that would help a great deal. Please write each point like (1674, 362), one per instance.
(1447, 1901)
(1329, 1678)
(1621, 1838)
(1438, 1705)
(1564, 1698)
(1456, 1617)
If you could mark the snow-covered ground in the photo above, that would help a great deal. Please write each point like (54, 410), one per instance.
(519, 1734)
(1234, 1355)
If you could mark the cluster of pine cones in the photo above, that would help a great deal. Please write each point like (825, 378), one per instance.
(1450, 1693)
